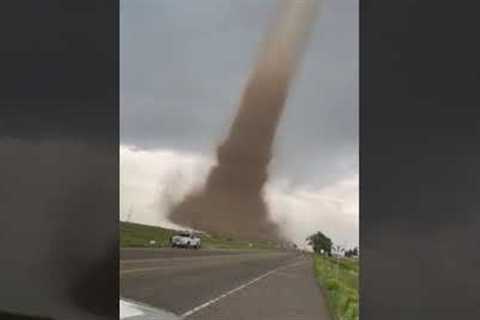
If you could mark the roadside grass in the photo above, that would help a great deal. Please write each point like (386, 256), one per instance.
(139, 235)
(340, 281)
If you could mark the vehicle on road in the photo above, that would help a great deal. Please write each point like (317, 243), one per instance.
(185, 240)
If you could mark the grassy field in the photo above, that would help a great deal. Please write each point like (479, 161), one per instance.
(340, 281)
(139, 235)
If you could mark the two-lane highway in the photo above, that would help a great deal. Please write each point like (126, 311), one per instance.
(216, 284)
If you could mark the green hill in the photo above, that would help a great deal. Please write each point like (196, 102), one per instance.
(139, 235)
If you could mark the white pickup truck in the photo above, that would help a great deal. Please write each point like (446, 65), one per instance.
(185, 240)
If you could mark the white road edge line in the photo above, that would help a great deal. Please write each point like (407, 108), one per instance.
(243, 286)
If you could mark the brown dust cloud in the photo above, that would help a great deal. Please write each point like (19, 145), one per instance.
(232, 201)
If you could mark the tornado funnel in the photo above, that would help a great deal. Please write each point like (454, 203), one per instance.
(232, 200)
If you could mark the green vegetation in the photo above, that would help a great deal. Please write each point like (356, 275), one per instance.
(139, 235)
(339, 278)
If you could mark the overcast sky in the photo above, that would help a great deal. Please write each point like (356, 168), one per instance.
(182, 70)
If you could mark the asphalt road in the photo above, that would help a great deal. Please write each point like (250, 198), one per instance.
(216, 284)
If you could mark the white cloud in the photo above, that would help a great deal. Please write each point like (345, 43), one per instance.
(302, 210)
(152, 180)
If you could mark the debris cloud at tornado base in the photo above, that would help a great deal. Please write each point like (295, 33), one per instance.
(231, 201)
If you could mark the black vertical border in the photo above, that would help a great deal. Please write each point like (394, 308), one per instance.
(419, 160)
(59, 158)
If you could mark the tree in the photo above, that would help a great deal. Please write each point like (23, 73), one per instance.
(320, 243)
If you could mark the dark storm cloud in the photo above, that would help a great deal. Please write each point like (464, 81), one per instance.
(184, 66)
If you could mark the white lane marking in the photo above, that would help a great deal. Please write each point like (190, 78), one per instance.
(243, 286)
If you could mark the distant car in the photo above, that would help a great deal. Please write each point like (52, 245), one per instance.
(185, 240)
